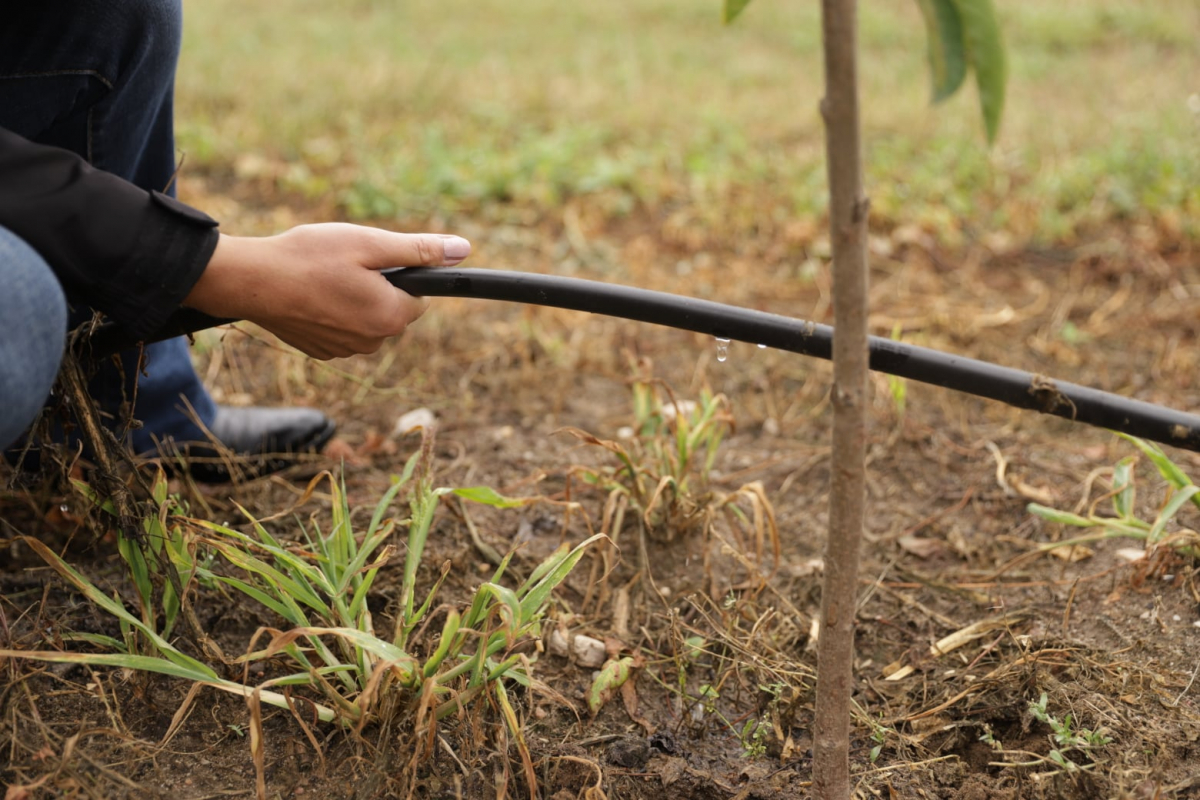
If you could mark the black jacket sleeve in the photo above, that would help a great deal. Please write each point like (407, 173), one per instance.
(130, 253)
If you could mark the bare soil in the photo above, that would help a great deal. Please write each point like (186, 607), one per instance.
(1113, 643)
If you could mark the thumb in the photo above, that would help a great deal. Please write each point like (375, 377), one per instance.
(417, 250)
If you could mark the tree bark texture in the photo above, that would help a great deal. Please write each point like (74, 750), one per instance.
(848, 208)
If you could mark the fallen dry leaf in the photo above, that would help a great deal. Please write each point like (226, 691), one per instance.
(340, 450)
(1073, 554)
(921, 548)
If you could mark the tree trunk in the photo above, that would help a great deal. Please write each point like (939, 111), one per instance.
(848, 233)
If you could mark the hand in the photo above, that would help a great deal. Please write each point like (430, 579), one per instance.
(317, 287)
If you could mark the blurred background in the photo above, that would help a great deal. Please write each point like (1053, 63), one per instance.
(503, 111)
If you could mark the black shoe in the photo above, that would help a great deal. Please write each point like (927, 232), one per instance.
(257, 441)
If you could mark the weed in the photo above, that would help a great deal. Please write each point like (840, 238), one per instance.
(332, 647)
(879, 735)
(1064, 734)
(693, 649)
(755, 733)
(1125, 522)
(321, 592)
(663, 474)
(161, 561)
(754, 737)
(1065, 738)
(988, 737)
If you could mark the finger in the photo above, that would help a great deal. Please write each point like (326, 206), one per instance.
(417, 307)
(416, 250)
(410, 309)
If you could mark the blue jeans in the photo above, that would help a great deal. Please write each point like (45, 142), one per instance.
(97, 78)
(35, 327)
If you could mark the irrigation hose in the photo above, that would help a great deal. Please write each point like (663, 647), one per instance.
(980, 378)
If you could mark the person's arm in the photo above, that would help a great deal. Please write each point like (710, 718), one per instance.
(130, 253)
(138, 255)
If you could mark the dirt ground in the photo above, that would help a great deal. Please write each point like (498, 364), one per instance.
(1112, 642)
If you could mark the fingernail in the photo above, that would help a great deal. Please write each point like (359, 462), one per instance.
(456, 248)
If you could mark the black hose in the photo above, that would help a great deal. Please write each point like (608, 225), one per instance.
(968, 375)
(1011, 386)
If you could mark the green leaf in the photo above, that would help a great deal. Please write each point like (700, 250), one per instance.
(359, 598)
(542, 569)
(419, 614)
(93, 497)
(289, 611)
(1166, 467)
(162, 666)
(115, 608)
(358, 564)
(479, 606)
(139, 570)
(159, 490)
(283, 585)
(449, 635)
(505, 670)
(373, 645)
(423, 505)
(985, 55)
(98, 639)
(511, 616)
(947, 52)
(733, 8)
(610, 678)
(1123, 487)
(531, 603)
(397, 658)
(385, 502)
(1062, 517)
(488, 496)
(1170, 510)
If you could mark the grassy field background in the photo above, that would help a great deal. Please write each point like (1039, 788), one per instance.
(501, 110)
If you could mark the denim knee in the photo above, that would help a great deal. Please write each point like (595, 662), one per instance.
(146, 33)
(34, 311)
